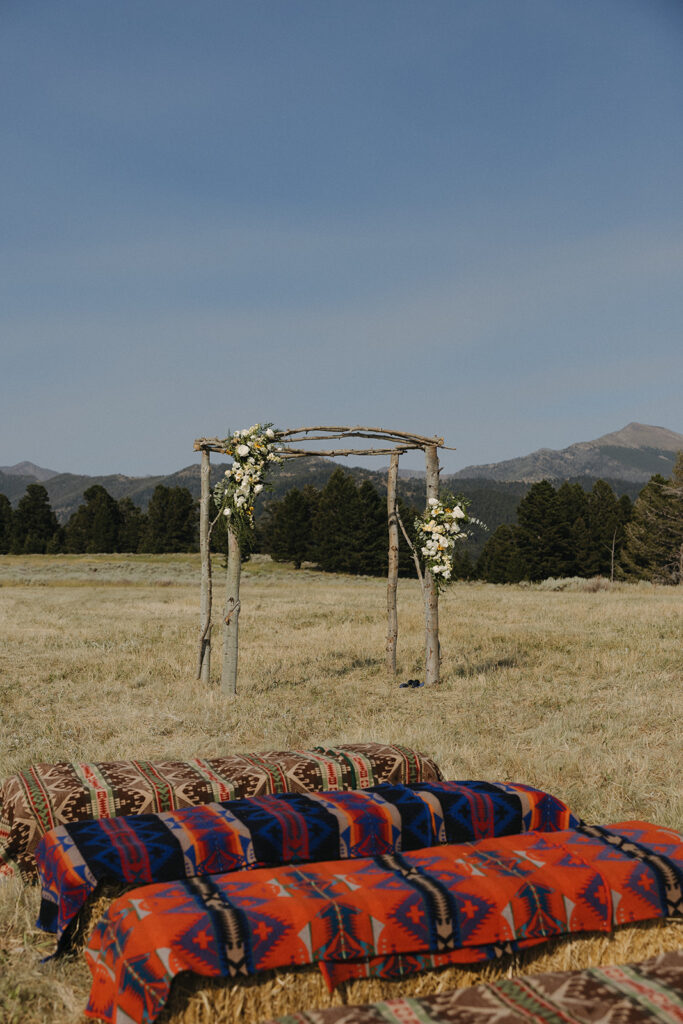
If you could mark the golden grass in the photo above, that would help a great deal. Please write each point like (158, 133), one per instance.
(576, 692)
(275, 993)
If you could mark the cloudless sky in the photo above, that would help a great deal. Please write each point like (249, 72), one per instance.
(459, 217)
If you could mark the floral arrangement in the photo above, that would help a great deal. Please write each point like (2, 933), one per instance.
(253, 450)
(438, 529)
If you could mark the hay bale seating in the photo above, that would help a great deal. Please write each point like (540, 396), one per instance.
(104, 856)
(43, 796)
(374, 920)
(462, 995)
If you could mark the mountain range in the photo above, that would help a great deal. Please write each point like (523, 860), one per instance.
(626, 458)
(634, 453)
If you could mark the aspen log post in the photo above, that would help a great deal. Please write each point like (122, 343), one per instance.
(392, 574)
(232, 614)
(204, 656)
(431, 596)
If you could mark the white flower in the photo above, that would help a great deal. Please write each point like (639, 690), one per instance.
(242, 450)
(458, 512)
(270, 433)
(226, 512)
(433, 501)
(258, 488)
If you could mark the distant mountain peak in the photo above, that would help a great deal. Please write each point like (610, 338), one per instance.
(29, 469)
(640, 435)
(634, 453)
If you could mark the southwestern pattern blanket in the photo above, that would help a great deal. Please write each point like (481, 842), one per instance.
(649, 992)
(286, 828)
(45, 796)
(384, 917)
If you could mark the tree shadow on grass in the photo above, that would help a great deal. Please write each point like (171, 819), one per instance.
(476, 668)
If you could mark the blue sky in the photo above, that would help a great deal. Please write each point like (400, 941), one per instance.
(459, 217)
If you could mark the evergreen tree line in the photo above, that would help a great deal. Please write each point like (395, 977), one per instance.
(101, 524)
(571, 532)
(342, 527)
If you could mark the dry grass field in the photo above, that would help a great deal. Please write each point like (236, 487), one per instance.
(576, 691)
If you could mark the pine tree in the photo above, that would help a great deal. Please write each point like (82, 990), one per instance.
(172, 520)
(406, 562)
(131, 525)
(287, 527)
(653, 549)
(539, 533)
(572, 532)
(582, 550)
(94, 527)
(34, 524)
(373, 534)
(5, 524)
(500, 560)
(606, 529)
(463, 565)
(337, 525)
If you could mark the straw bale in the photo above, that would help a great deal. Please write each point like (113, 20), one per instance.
(78, 932)
(198, 1000)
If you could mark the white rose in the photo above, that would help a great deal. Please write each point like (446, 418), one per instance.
(270, 433)
(458, 512)
(433, 501)
(226, 511)
(258, 488)
(242, 450)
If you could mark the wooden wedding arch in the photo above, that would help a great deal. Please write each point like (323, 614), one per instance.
(392, 443)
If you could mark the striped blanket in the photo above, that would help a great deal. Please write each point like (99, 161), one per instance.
(382, 917)
(650, 992)
(45, 796)
(286, 828)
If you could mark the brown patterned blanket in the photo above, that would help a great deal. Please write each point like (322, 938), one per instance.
(44, 796)
(650, 992)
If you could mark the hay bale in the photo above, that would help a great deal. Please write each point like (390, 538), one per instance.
(197, 1000)
(43, 796)
(78, 933)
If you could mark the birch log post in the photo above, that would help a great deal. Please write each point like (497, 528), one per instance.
(232, 614)
(431, 596)
(392, 574)
(204, 656)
